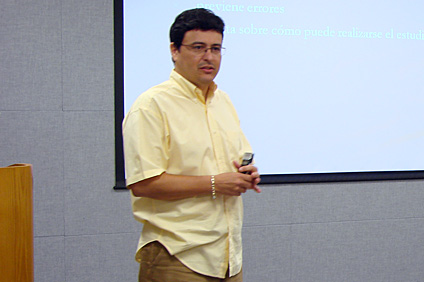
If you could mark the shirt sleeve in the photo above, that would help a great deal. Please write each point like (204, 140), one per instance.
(145, 145)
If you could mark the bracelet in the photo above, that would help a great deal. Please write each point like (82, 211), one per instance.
(213, 187)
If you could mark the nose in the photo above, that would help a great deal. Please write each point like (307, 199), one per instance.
(208, 54)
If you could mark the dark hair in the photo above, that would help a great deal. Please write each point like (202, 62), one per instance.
(199, 18)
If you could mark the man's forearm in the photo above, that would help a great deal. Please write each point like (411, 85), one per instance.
(175, 187)
(172, 187)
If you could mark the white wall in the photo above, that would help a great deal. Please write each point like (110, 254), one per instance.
(57, 113)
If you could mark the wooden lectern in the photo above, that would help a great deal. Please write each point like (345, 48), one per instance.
(16, 224)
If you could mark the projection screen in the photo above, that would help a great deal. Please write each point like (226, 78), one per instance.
(322, 88)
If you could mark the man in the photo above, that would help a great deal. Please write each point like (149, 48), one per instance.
(183, 145)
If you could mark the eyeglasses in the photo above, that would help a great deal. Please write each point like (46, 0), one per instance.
(199, 48)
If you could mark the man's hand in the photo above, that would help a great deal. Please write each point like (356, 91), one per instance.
(236, 183)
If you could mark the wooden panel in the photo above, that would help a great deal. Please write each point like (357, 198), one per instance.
(16, 224)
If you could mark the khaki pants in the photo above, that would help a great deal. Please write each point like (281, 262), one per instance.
(157, 265)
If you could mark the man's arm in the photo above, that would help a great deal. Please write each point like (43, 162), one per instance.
(175, 187)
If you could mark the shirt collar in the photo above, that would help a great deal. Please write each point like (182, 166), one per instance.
(191, 90)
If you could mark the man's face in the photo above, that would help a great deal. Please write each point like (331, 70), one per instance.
(199, 68)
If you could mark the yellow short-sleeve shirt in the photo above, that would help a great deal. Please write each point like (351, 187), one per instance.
(170, 128)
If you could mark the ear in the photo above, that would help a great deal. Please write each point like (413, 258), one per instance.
(174, 51)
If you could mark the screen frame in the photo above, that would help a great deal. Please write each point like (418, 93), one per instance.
(118, 12)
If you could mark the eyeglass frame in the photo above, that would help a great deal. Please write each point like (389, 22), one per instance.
(204, 48)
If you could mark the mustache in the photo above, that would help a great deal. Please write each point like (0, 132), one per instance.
(206, 64)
